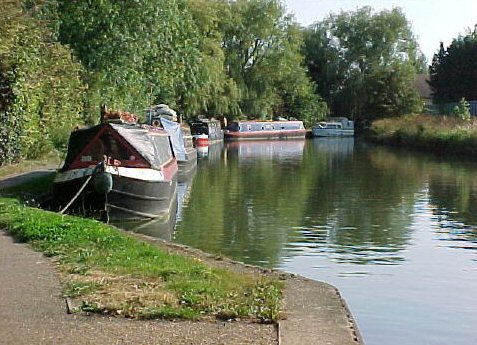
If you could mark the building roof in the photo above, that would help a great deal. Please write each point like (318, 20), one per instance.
(421, 84)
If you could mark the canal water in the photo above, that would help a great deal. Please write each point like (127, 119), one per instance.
(395, 231)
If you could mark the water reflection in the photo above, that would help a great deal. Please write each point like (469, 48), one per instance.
(284, 151)
(211, 152)
(340, 147)
(395, 231)
(161, 227)
(453, 195)
(184, 187)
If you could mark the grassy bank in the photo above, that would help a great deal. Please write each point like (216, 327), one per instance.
(108, 272)
(440, 134)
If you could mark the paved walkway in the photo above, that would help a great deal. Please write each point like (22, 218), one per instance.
(32, 311)
(316, 314)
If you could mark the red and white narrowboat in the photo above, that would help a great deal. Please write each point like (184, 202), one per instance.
(128, 170)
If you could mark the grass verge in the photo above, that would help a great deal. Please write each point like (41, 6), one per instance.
(108, 272)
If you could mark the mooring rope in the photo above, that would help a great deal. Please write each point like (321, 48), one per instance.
(77, 194)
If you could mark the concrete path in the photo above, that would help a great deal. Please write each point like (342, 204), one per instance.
(316, 314)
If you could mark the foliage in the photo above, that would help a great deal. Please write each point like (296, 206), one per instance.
(262, 55)
(214, 93)
(136, 53)
(100, 261)
(462, 110)
(364, 63)
(42, 94)
(442, 134)
(454, 70)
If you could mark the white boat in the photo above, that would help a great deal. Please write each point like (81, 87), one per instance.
(338, 127)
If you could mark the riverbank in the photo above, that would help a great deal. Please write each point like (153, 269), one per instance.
(444, 135)
(110, 273)
(328, 320)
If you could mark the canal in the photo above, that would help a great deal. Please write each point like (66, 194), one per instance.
(394, 231)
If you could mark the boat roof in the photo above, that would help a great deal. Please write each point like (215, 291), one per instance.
(269, 121)
(140, 139)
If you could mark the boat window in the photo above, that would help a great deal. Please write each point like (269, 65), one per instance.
(249, 127)
(199, 128)
(234, 126)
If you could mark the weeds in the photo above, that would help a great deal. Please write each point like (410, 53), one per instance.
(442, 134)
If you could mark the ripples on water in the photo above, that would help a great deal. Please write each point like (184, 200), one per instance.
(394, 231)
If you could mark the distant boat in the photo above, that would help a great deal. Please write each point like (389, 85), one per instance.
(206, 131)
(161, 116)
(338, 127)
(126, 169)
(241, 130)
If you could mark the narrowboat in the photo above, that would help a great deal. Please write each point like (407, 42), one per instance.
(161, 116)
(117, 168)
(240, 130)
(338, 127)
(206, 131)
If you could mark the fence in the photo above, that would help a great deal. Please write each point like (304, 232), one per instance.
(448, 108)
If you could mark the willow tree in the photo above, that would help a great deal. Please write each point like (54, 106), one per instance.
(262, 55)
(364, 63)
(136, 53)
(214, 92)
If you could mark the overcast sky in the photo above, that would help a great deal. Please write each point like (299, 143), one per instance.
(432, 21)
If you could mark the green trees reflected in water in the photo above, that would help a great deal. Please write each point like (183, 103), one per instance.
(263, 202)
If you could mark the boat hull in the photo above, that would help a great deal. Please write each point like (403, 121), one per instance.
(188, 165)
(265, 135)
(129, 198)
(320, 132)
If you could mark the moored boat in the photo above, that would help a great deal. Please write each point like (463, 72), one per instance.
(161, 116)
(122, 168)
(240, 130)
(206, 131)
(338, 127)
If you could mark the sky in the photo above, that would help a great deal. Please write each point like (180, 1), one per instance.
(432, 21)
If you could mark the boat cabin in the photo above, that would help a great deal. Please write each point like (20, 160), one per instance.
(210, 127)
(257, 126)
(130, 145)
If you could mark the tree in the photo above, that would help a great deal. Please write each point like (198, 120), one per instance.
(453, 72)
(41, 94)
(213, 93)
(364, 63)
(262, 55)
(136, 52)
